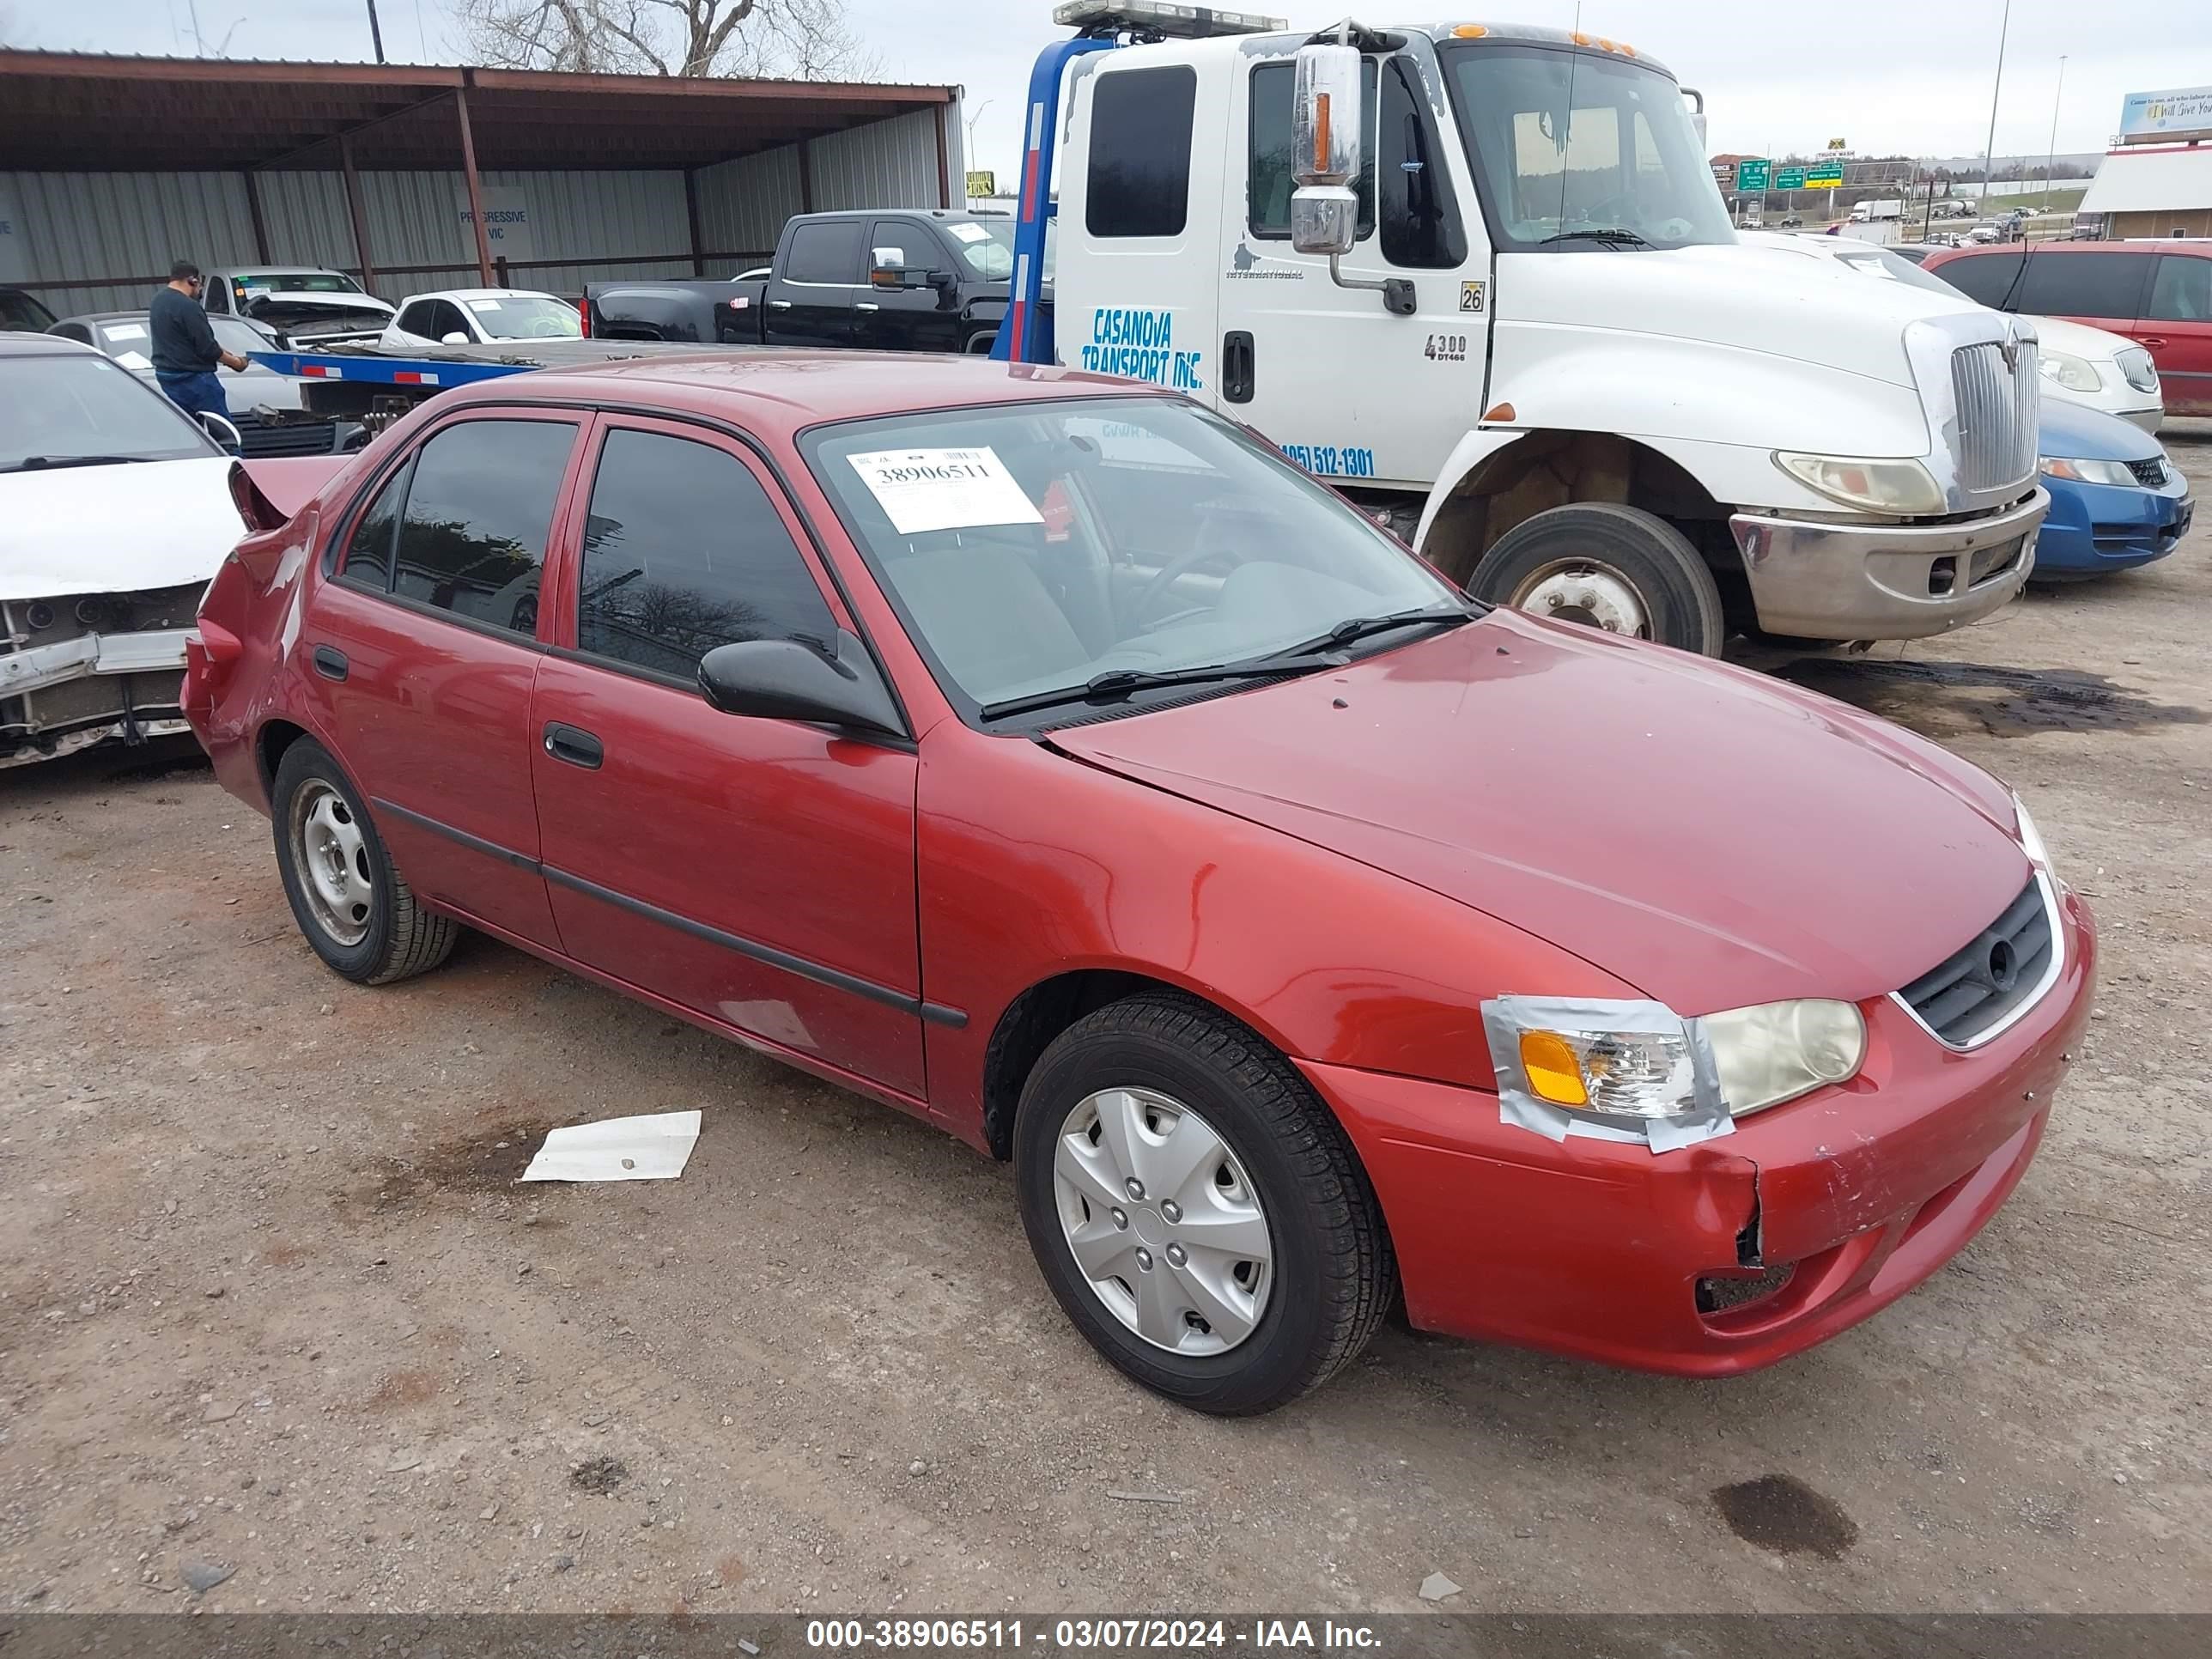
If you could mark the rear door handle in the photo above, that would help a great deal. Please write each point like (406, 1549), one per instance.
(779, 305)
(574, 744)
(331, 662)
(866, 305)
(2150, 340)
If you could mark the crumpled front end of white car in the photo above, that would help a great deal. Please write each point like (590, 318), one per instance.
(78, 669)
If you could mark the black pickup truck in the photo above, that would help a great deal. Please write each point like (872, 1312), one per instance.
(893, 279)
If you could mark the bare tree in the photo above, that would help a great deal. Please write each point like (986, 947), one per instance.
(803, 40)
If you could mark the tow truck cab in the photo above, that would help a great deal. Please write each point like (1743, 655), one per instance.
(1480, 277)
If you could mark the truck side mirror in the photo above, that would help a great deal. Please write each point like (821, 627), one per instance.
(1326, 124)
(1696, 115)
(887, 267)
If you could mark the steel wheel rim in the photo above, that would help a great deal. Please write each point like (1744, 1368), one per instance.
(331, 855)
(1585, 591)
(1164, 1225)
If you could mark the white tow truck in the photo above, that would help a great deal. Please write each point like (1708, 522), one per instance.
(1480, 277)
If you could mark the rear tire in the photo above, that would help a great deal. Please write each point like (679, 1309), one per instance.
(352, 904)
(1617, 569)
(1260, 1216)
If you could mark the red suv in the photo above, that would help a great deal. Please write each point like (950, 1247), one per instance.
(1046, 756)
(2157, 294)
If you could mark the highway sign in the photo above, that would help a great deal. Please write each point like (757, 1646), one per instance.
(1821, 175)
(1789, 178)
(1751, 174)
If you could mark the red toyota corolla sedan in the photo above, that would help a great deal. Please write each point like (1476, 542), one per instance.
(1046, 756)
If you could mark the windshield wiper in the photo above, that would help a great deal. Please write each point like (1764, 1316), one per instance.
(1353, 628)
(43, 463)
(1617, 236)
(1121, 682)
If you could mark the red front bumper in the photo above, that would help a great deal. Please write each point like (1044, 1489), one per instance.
(1597, 1249)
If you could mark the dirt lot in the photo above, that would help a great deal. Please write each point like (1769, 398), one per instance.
(269, 1304)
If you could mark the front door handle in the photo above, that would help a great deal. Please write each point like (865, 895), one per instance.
(1238, 376)
(2151, 341)
(866, 305)
(779, 305)
(330, 662)
(574, 744)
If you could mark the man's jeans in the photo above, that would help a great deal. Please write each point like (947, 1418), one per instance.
(195, 393)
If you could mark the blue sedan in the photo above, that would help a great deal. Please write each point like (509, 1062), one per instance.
(2117, 502)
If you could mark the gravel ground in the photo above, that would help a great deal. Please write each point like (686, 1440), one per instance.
(277, 1331)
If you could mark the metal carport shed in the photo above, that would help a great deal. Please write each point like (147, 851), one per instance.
(426, 177)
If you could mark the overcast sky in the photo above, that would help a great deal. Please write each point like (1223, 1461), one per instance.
(1903, 76)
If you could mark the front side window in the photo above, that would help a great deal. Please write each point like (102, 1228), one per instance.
(1032, 549)
(2082, 285)
(824, 253)
(525, 317)
(479, 507)
(20, 313)
(1270, 169)
(1419, 216)
(684, 551)
(79, 408)
(1581, 149)
(2182, 291)
(1139, 175)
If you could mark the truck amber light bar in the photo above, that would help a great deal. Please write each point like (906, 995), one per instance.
(1169, 21)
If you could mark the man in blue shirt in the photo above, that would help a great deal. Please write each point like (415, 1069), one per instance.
(184, 350)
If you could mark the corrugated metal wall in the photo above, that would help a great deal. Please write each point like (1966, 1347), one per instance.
(122, 228)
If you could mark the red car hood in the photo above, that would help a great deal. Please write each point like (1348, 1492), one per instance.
(1713, 838)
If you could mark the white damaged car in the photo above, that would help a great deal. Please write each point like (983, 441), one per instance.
(115, 511)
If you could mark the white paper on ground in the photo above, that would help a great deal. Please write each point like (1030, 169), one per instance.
(925, 490)
(654, 1148)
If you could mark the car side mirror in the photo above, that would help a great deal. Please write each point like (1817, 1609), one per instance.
(455, 338)
(1326, 125)
(221, 430)
(797, 680)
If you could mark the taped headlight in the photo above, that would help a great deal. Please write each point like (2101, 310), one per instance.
(1905, 488)
(1779, 1050)
(1642, 1061)
(2114, 473)
(2074, 373)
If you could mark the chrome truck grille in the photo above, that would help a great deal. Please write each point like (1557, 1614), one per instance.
(1994, 389)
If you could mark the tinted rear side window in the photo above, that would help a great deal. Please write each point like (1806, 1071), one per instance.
(2182, 291)
(684, 551)
(824, 253)
(2083, 285)
(368, 552)
(1987, 277)
(1139, 178)
(472, 540)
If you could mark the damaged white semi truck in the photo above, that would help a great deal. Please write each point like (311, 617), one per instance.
(1481, 277)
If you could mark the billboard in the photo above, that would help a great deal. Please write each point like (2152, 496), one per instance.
(2146, 117)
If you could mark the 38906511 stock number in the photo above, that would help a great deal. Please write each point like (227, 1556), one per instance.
(862, 1635)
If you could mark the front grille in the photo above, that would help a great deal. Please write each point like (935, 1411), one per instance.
(2000, 970)
(1997, 406)
(260, 440)
(2150, 474)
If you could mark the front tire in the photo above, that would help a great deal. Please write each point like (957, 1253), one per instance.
(349, 900)
(1614, 568)
(1195, 1208)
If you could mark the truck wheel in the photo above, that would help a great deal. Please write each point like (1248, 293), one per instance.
(1605, 566)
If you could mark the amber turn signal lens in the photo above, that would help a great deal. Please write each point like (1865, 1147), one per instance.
(1553, 1072)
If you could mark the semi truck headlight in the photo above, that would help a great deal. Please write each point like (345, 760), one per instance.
(1904, 488)
(2074, 373)
(1639, 1060)
(2085, 471)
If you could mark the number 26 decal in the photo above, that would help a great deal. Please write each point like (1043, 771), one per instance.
(1446, 348)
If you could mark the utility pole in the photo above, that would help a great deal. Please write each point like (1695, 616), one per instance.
(1989, 152)
(2050, 156)
(376, 33)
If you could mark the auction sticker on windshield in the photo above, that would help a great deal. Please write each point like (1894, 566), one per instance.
(926, 490)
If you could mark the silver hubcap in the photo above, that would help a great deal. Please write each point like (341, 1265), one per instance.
(331, 856)
(1163, 1221)
(1581, 591)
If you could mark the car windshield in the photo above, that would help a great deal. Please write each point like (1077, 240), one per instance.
(525, 317)
(1893, 268)
(297, 281)
(234, 336)
(988, 245)
(20, 313)
(1036, 548)
(1570, 143)
(65, 407)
